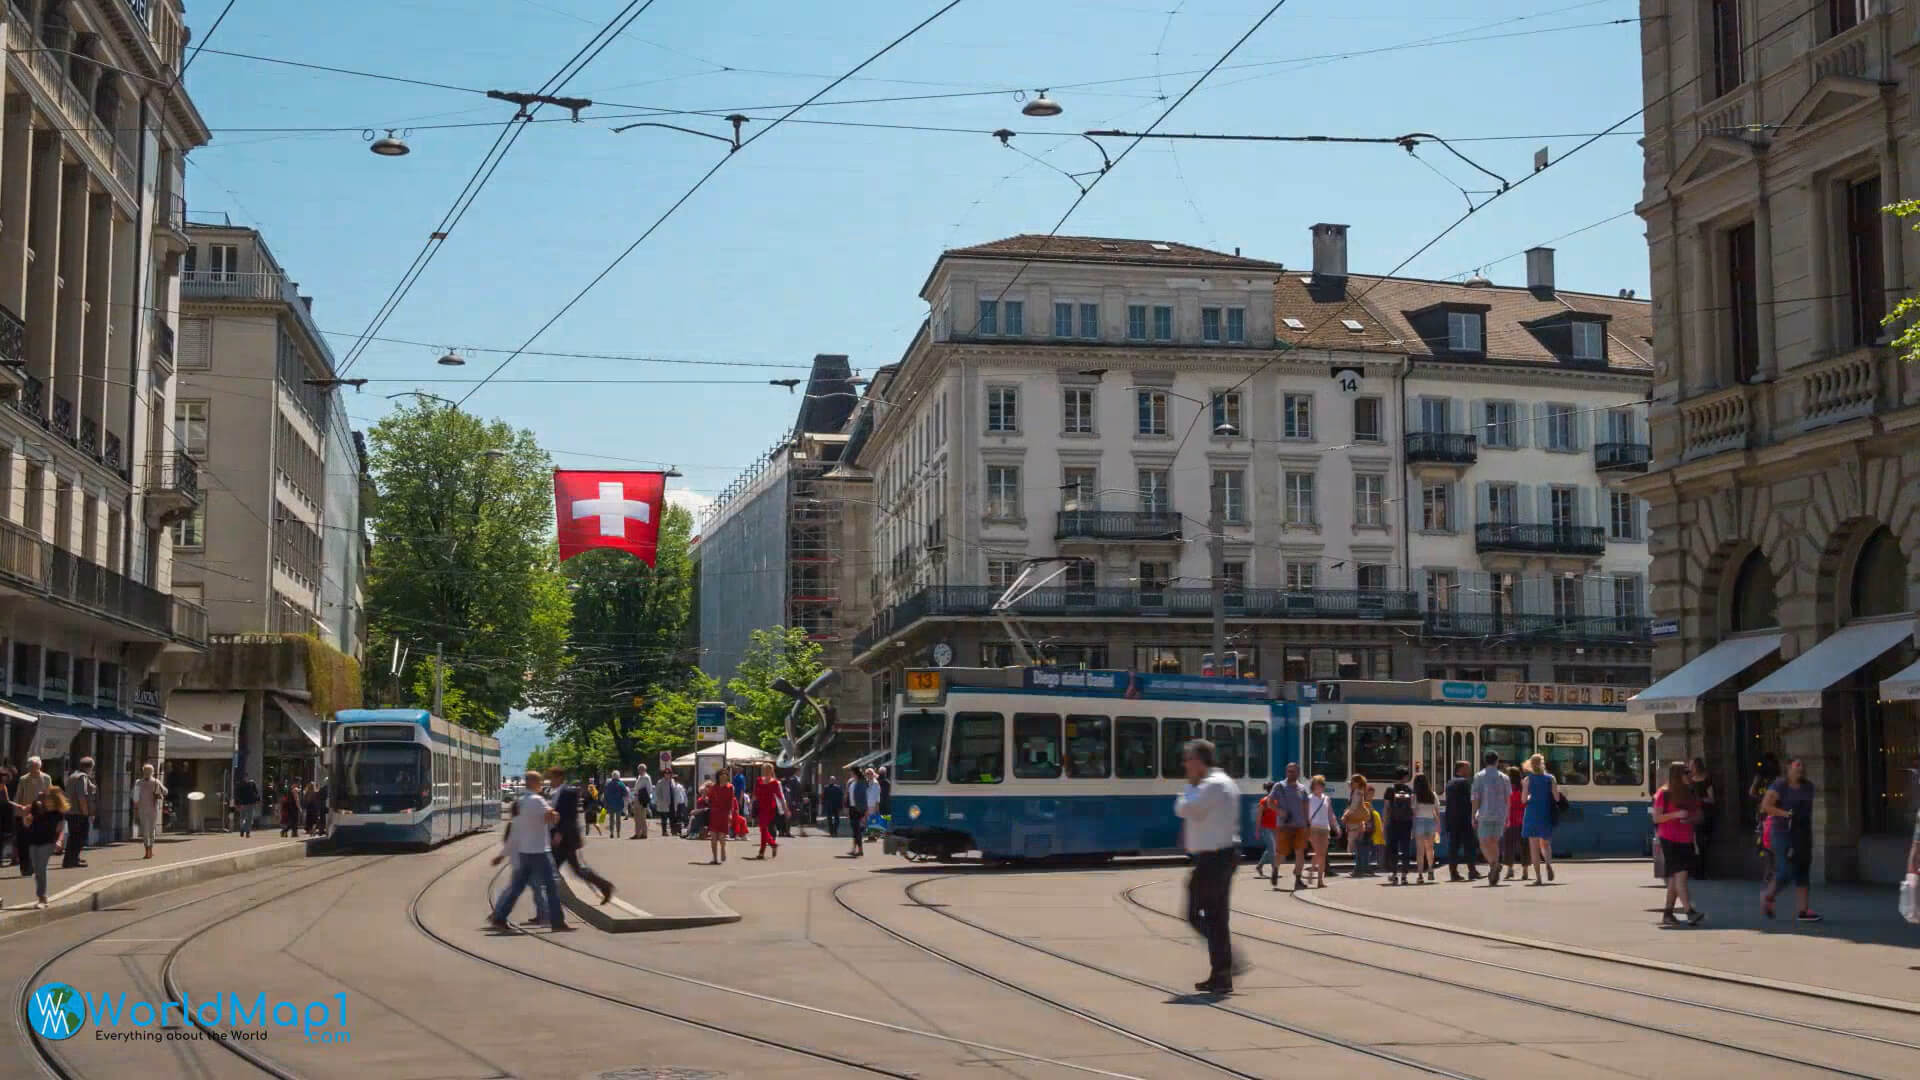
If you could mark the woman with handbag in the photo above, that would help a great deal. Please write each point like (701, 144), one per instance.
(1536, 824)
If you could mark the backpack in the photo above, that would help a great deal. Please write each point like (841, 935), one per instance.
(1400, 807)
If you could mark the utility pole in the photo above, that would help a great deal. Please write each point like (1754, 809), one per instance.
(1217, 554)
(439, 677)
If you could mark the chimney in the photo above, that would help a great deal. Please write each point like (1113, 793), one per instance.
(1540, 269)
(1329, 251)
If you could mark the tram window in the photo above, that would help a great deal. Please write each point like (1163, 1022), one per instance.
(916, 747)
(1616, 757)
(1426, 752)
(1036, 746)
(1514, 744)
(1565, 750)
(1327, 750)
(1382, 750)
(1090, 747)
(1133, 747)
(1653, 764)
(978, 751)
(1259, 758)
(1229, 738)
(1174, 734)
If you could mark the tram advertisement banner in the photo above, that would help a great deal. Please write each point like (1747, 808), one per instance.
(608, 509)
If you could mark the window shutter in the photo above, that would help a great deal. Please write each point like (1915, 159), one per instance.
(1413, 414)
(1639, 519)
(1453, 506)
(1457, 413)
(1483, 502)
(1476, 420)
(1539, 437)
(1582, 428)
(1543, 504)
(195, 348)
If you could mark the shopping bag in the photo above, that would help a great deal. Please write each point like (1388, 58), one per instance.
(1910, 899)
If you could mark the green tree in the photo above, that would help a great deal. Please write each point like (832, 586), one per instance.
(625, 639)
(758, 716)
(1907, 344)
(667, 723)
(463, 557)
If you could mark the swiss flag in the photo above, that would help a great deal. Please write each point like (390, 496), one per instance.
(608, 509)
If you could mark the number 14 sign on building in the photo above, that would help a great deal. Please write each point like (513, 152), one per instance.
(608, 509)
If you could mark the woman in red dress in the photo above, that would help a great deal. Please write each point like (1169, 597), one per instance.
(719, 814)
(767, 799)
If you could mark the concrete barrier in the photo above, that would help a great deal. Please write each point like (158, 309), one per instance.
(619, 917)
(112, 890)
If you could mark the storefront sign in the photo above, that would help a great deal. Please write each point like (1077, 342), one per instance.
(1532, 693)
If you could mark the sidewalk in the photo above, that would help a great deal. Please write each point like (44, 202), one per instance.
(1863, 947)
(171, 849)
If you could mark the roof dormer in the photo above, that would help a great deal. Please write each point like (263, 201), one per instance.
(1452, 326)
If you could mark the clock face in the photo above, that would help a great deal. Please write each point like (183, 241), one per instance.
(943, 654)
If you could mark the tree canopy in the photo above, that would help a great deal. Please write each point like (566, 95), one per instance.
(1907, 342)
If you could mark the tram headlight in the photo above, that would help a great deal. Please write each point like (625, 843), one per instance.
(913, 812)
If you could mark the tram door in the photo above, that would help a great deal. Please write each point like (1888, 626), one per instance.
(1440, 747)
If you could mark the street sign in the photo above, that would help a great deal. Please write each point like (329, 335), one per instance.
(666, 762)
(710, 722)
(1666, 627)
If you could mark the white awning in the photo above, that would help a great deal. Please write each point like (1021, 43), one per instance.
(738, 753)
(1800, 684)
(1681, 691)
(17, 714)
(187, 733)
(1904, 686)
(53, 736)
(203, 714)
(302, 717)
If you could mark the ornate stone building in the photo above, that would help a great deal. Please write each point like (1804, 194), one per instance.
(1785, 482)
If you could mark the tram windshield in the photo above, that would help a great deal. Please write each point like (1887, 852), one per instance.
(377, 778)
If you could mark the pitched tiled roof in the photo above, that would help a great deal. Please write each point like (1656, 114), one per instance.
(1322, 307)
(1107, 250)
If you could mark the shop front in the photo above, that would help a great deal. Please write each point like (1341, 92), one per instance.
(203, 739)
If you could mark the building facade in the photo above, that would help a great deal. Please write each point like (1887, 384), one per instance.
(1785, 475)
(1098, 400)
(276, 548)
(93, 138)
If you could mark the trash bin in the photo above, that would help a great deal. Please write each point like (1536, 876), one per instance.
(196, 811)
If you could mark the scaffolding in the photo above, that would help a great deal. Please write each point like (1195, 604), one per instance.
(813, 549)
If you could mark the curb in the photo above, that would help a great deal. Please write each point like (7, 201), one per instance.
(112, 890)
(619, 917)
(1844, 997)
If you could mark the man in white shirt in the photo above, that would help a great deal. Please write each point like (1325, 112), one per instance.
(642, 803)
(148, 794)
(528, 842)
(667, 798)
(1209, 812)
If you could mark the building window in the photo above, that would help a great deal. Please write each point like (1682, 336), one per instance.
(1724, 29)
(191, 532)
(1620, 426)
(1436, 415)
(1369, 499)
(1503, 503)
(1296, 416)
(1152, 409)
(1236, 326)
(194, 348)
(1743, 304)
(989, 317)
(1063, 319)
(1566, 597)
(1233, 574)
(1866, 280)
(1560, 428)
(1003, 492)
(1003, 409)
(1163, 323)
(1302, 575)
(1500, 425)
(1371, 577)
(1081, 576)
(1366, 420)
(1226, 410)
(1154, 496)
(1589, 341)
(1210, 329)
(223, 262)
(1436, 508)
(1077, 491)
(1090, 321)
(1440, 589)
(1001, 572)
(1076, 403)
(1015, 317)
(1299, 494)
(1560, 508)
(1230, 495)
(1623, 516)
(1844, 15)
(1153, 580)
(1136, 322)
(1463, 331)
(1626, 596)
(190, 427)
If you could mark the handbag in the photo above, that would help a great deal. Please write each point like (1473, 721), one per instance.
(1910, 899)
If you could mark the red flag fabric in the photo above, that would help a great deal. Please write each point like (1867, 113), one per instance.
(609, 509)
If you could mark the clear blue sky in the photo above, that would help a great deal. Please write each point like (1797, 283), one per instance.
(816, 238)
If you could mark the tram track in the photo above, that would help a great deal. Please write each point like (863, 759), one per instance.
(1128, 894)
(1364, 1049)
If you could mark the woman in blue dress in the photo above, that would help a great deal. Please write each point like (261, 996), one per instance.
(1537, 826)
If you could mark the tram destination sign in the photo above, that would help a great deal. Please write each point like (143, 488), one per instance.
(1531, 693)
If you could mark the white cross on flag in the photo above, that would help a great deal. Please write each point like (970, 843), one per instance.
(608, 509)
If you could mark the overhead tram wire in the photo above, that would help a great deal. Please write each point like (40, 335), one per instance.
(510, 133)
(1785, 24)
(697, 185)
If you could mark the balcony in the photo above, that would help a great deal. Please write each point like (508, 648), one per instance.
(111, 455)
(1503, 627)
(170, 221)
(1117, 525)
(13, 338)
(90, 436)
(33, 398)
(173, 488)
(47, 60)
(63, 419)
(225, 285)
(1586, 540)
(1442, 448)
(30, 565)
(1621, 457)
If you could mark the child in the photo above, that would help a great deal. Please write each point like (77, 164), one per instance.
(1269, 820)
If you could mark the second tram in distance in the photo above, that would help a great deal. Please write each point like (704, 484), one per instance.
(407, 777)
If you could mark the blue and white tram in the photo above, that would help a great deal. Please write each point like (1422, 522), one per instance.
(407, 777)
(1035, 763)
(1602, 757)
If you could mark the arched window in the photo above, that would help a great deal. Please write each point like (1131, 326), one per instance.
(1879, 577)
(1754, 607)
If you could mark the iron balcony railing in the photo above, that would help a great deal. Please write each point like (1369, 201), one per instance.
(1117, 525)
(63, 417)
(1184, 602)
(110, 453)
(228, 285)
(1566, 629)
(1443, 446)
(176, 471)
(90, 435)
(13, 337)
(33, 398)
(30, 564)
(163, 339)
(1540, 539)
(1622, 456)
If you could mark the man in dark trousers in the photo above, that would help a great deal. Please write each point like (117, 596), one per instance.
(1209, 813)
(567, 839)
(1459, 823)
(831, 797)
(246, 804)
(81, 791)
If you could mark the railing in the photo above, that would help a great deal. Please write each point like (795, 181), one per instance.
(1574, 629)
(1843, 388)
(1627, 456)
(1717, 422)
(189, 621)
(1845, 54)
(90, 435)
(172, 211)
(220, 285)
(1728, 119)
(23, 557)
(33, 398)
(13, 337)
(1117, 525)
(28, 562)
(49, 67)
(1542, 539)
(139, 9)
(176, 471)
(110, 453)
(1442, 446)
(63, 417)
